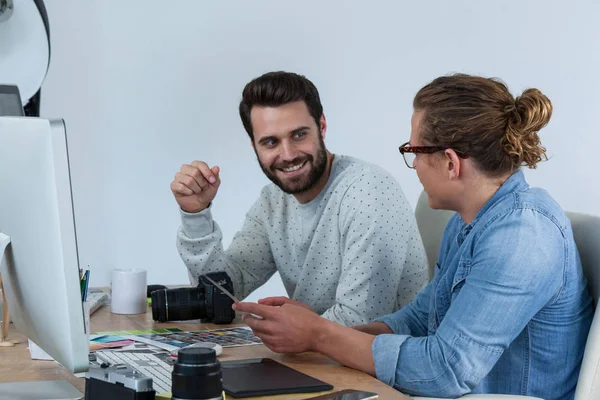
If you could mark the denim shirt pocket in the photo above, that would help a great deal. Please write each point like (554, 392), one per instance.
(464, 267)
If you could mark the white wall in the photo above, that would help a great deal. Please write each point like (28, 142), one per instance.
(148, 85)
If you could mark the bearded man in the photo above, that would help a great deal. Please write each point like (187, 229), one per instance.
(338, 230)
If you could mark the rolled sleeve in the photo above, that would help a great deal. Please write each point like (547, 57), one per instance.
(397, 325)
(386, 352)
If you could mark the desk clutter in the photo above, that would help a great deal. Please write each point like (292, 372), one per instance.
(170, 363)
(140, 366)
(146, 364)
(153, 352)
(153, 364)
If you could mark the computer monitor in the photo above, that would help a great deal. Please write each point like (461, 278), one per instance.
(40, 266)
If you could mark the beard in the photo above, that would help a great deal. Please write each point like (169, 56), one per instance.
(302, 183)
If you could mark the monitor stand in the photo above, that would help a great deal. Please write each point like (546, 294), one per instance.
(51, 390)
(4, 342)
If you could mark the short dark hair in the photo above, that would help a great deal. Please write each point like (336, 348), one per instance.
(479, 117)
(275, 89)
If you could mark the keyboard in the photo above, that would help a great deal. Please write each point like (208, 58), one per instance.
(96, 300)
(152, 365)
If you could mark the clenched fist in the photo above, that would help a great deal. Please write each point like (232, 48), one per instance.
(195, 186)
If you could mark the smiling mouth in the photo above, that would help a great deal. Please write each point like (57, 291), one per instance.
(293, 168)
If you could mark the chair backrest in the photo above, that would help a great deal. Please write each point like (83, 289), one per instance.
(586, 230)
(431, 225)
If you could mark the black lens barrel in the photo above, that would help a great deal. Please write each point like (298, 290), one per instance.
(197, 375)
(178, 304)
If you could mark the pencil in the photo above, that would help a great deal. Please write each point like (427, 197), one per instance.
(82, 284)
(87, 283)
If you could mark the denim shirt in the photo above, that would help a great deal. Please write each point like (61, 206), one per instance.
(506, 312)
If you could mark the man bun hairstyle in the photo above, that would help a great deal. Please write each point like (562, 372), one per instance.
(531, 112)
(479, 118)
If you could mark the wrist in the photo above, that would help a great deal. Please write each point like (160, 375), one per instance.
(322, 333)
(382, 328)
(361, 328)
(195, 210)
(375, 328)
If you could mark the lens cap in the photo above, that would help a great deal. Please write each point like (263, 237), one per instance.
(196, 356)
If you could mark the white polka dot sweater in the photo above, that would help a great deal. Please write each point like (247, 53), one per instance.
(352, 254)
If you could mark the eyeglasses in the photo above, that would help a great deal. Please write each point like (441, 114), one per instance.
(409, 153)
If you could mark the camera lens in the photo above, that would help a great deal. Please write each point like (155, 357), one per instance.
(178, 304)
(197, 375)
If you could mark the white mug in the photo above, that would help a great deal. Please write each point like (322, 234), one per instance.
(128, 291)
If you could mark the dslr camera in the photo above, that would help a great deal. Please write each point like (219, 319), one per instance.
(202, 302)
(117, 382)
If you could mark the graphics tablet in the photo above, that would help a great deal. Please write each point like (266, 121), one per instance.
(264, 376)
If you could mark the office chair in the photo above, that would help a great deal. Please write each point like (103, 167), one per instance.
(586, 231)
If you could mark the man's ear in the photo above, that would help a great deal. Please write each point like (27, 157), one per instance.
(453, 164)
(323, 125)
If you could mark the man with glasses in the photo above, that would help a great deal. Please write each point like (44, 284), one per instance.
(337, 229)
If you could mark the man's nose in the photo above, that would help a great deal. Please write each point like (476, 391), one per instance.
(288, 151)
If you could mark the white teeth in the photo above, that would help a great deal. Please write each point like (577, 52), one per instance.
(294, 168)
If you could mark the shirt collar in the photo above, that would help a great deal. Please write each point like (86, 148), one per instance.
(515, 183)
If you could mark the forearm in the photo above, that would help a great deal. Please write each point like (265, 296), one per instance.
(374, 328)
(345, 345)
(199, 242)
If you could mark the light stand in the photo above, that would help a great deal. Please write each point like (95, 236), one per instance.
(24, 51)
(24, 60)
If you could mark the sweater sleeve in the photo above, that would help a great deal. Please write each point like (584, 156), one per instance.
(248, 261)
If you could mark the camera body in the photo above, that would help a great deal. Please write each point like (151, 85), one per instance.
(204, 301)
(218, 304)
(117, 383)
